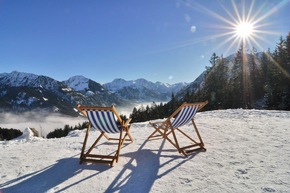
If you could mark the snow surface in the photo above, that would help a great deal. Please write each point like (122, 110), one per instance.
(78, 83)
(247, 151)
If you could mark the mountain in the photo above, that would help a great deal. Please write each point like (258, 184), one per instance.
(142, 90)
(21, 92)
(192, 87)
(25, 92)
(92, 93)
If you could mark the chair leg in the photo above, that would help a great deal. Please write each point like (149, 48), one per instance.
(176, 141)
(97, 158)
(186, 150)
(197, 132)
(157, 130)
(95, 143)
(85, 143)
(127, 133)
(119, 146)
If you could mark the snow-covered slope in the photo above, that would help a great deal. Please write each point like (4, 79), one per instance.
(78, 83)
(192, 87)
(17, 79)
(247, 151)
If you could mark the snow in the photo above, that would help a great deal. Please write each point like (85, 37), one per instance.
(67, 89)
(17, 78)
(78, 83)
(119, 84)
(247, 151)
(26, 136)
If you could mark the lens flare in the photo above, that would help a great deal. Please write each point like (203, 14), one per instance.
(240, 23)
(244, 30)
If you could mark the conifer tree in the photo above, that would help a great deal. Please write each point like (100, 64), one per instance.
(236, 89)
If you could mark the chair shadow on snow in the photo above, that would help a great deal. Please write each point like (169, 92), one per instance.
(142, 170)
(137, 175)
(50, 177)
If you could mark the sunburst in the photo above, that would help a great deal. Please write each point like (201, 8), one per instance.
(241, 23)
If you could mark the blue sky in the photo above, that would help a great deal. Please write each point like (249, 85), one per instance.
(159, 40)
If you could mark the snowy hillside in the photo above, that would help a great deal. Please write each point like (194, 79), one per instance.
(78, 83)
(18, 79)
(247, 151)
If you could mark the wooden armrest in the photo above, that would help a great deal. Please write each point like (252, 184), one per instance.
(127, 122)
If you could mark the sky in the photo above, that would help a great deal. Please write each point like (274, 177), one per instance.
(168, 41)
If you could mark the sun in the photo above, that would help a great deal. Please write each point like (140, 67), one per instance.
(244, 30)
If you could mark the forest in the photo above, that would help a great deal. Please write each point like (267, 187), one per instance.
(250, 80)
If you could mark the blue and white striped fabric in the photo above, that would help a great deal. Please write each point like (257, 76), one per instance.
(104, 121)
(184, 116)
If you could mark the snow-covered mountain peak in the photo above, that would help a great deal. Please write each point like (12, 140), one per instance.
(78, 83)
(162, 84)
(17, 78)
(142, 89)
(117, 84)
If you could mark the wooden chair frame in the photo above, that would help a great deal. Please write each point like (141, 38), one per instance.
(124, 134)
(165, 128)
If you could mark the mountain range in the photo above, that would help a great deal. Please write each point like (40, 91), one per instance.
(20, 92)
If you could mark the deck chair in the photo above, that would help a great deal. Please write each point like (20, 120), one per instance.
(181, 116)
(107, 121)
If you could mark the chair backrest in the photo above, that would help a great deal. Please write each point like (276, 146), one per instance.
(105, 119)
(185, 113)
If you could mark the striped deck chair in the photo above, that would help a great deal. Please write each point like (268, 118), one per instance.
(107, 121)
(181, 117)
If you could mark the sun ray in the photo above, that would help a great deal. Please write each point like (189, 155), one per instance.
(229, 14)
(272, 10)
(238, 17)
(249, 15)
(208, 11)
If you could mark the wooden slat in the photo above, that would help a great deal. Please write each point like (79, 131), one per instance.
(100, 156)
(109, 162)
(194, 150)
(190, 146)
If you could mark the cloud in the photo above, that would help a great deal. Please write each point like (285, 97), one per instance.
(43, 122)
(193, 29)
(170, 77)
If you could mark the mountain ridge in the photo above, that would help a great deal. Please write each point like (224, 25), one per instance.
(20, 91)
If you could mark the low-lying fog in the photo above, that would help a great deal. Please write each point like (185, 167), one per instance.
(45, 123)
